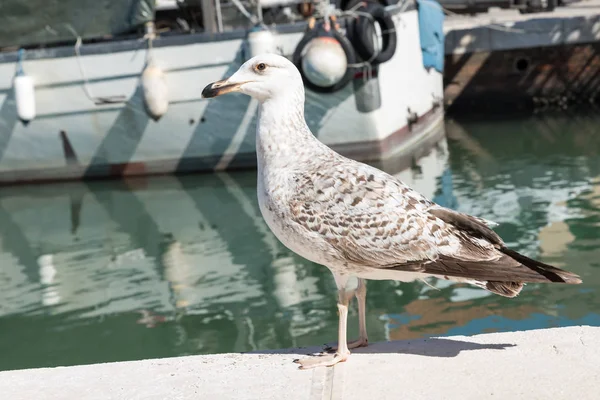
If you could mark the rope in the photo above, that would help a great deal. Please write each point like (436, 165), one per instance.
(219, 15)
(20, 55)
(86, 88)
(150, 35)
(245, 12)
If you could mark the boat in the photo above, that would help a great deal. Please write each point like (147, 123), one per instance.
(504, 63)
(96, 91)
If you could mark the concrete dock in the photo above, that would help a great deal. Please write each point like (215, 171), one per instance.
(560, 363)
(506, 61)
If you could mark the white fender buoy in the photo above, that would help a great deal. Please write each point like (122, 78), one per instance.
(25, 97)
(24, 93)
(260, 41)
(155, 90)
(324, 61)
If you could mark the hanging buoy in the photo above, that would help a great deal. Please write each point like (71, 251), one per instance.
(260, 41)
(324, 62)
(25, 98)
(155, 90)
(325, 59)
(24, 93)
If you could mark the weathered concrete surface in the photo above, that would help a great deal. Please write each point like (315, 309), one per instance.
(509, 30)
(561, 363)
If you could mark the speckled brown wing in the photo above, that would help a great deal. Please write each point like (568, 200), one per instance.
(372, 219)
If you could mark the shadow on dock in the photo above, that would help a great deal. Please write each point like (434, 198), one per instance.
(432, 347)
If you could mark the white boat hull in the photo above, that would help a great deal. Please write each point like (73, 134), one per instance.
(72, 137)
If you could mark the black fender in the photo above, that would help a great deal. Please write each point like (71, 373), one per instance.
(363, 34)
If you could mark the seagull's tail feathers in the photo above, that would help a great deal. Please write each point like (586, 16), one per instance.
(552, 274)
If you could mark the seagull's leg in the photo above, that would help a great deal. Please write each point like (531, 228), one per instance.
(361, 297)
(342, 352)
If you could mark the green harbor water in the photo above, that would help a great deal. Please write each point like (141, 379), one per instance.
(169, 266)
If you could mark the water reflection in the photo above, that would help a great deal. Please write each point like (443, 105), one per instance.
(167, 266)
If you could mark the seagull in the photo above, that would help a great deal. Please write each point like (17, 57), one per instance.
(359, 221)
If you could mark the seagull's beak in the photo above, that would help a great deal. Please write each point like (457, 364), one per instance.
(221, 87)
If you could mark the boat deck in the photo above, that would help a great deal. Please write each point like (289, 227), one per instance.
(508, 29)
(504, 61)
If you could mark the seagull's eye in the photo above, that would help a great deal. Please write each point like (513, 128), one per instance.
(261, 67)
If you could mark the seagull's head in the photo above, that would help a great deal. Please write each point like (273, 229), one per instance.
(262, 77)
